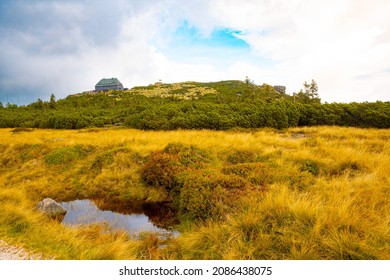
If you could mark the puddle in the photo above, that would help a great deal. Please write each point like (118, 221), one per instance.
(135, 220)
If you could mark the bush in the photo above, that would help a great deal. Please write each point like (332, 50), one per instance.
(242, 156)
(161, 170)
(162, 167)
(206, 194)
(188, 156)
(67, 154)
(252, 172)
(197, 192)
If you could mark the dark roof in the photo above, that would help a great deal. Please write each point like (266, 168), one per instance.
(109, 82)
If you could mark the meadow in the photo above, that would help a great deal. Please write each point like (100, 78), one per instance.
(298, 193)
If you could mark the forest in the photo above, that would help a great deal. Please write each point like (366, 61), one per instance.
(220, 105)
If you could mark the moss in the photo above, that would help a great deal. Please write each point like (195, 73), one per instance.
(68, 154)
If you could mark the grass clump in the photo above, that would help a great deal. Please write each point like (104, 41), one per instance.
(189, 156)
(311, 167)
(162, 167)
(349, 167)
(242, 156)
(107, 158)
(67, 155)
(203, 194)
(251, 172)
(198, 190)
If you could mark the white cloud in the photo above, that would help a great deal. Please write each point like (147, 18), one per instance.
(67, 46)
(330, 41)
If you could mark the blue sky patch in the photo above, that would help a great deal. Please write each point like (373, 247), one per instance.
(187, 35)
(221, 48)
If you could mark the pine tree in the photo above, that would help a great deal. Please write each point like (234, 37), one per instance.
(52, 103)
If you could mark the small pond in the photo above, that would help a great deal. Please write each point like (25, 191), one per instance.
(134, 219)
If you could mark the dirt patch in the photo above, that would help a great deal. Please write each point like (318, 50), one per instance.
(9, 252)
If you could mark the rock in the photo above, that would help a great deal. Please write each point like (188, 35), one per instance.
(51, 208)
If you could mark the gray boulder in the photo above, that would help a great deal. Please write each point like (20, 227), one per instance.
(51, 208)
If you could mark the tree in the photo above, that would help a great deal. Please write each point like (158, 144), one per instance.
(250, 86)
(309, 94)
(52, 102)
(247, 81)
(38, 104)
(1, 105)
(311, 90)
(11, 106)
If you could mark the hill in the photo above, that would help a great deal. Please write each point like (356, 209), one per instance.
(192, 105)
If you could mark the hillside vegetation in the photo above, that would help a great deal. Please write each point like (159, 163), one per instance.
(190, 105)
(299, 193)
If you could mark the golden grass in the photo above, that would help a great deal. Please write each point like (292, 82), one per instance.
(327, 193)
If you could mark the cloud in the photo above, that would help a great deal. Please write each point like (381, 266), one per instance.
(45, 47)
(63, 47)
(329, 41)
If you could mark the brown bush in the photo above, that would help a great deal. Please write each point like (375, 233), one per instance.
(162, 167)
(161, 170)
(199, 191)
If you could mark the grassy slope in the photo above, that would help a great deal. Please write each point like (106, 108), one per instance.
(327, 193)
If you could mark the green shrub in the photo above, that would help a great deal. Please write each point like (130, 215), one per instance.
(253, 172)
(197, 191)
(162, 167)
(203, 194)
(198, 196)
(241, 169)
(242, 156)
(67, 154)
(188, 156)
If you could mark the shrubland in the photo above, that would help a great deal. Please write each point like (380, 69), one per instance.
(190, 105)
(296, 193)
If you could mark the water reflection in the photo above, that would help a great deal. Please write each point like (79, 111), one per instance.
(85, 212)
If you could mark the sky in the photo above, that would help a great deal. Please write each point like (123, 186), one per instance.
(65, 47)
